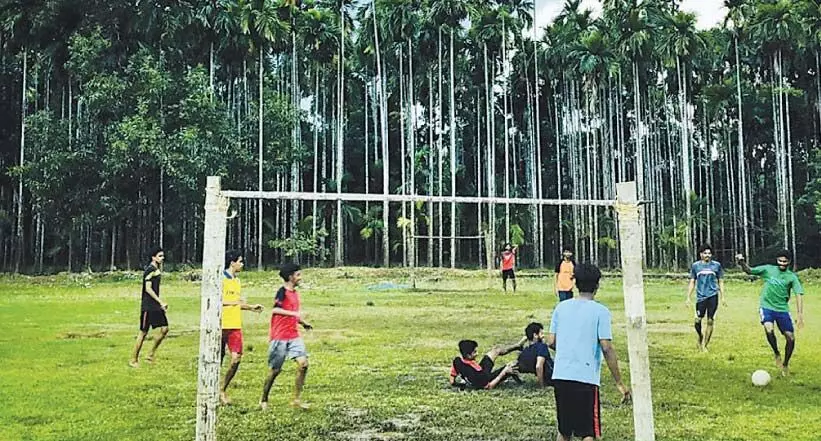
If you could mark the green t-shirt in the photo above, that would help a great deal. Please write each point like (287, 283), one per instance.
(777, 287)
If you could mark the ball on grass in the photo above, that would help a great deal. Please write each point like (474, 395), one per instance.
(761, 378)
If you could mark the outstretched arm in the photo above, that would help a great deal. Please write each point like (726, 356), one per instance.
(507, 370)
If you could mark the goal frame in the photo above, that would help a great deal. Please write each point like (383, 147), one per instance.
(630, 223)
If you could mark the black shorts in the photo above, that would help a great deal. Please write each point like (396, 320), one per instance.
(508, 274)
(578, 410)
(707, 307)
(152, 319)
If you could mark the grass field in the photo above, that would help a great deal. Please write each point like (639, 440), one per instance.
(379, 361)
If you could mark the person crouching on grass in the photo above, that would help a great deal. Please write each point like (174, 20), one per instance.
(580, 332)
(285, 341)
(232, 307)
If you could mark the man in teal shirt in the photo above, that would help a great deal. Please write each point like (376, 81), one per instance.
(779, 283)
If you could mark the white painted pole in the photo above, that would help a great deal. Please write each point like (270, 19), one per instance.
(216, 207)
(630, 232)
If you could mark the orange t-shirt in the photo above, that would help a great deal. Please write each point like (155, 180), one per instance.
(564, 281)
(508, 260)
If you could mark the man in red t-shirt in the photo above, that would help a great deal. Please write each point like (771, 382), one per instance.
(285, 341)
(508, 261)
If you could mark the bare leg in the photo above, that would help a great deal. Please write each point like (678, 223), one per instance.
(301, 372)
(769, 332)
(229, 375)
(266, 387)
(560, 437)
(708, 334)
(135, 355)
(697, 325)
(514, 285)
(157, 340)
(785, 371)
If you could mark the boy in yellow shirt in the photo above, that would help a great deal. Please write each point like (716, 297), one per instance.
(232, 307)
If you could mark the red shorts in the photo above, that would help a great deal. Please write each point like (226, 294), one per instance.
(233, 339)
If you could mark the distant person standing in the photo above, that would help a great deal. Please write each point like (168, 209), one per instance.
(508, 264)
(152, 309)
(707, 280)
(232, 306)
(580, 332)
(564, 280)
(779, 283)
(285, 341)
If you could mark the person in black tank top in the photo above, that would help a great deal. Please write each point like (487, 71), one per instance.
(152, 309)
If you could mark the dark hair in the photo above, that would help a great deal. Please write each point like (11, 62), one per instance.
(784, 253)
(532, 329)
(704, 247)
(587, 277)
(567, 248)
(155, 251)
(507, 244)
(466, 347)
(231, 257)
(287, 270)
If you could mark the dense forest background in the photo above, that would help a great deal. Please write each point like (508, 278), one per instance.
(113, 113)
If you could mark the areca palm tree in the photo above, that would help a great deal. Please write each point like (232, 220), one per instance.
(449, 14)
(777, 25)
(737, 16)
(680, 42)
(260, 19)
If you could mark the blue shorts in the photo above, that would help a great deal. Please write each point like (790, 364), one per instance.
(782, 319)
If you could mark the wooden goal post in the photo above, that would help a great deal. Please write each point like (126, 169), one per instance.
(627, 207)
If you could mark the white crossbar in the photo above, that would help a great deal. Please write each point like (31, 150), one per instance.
(381, 197)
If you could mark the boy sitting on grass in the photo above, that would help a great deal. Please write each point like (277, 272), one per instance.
(535, 358)
(466, 372)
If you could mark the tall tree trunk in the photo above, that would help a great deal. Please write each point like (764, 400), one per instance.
(403, 154)
(259, 177)
(452, 158)
(742, 167)
(506, 133)
(412, 145)
(430, 168)
(439, 151)
(19, 245)
(384, 131)
(686, 157)
(340, 140)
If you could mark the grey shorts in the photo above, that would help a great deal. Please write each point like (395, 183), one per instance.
(279, 350)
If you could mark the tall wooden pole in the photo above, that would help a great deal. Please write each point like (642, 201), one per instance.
(216, 206)
(630, 233)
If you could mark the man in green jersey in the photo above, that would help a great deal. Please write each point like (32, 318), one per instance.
(779, 283)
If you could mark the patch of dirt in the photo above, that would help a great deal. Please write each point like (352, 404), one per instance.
(81, 335)
(371, 435)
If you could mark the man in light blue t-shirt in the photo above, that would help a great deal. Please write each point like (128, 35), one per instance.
(580, 333)
(707, 280)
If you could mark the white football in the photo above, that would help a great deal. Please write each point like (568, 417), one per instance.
(761, 378)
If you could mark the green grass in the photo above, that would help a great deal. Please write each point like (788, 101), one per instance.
(379, 361)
